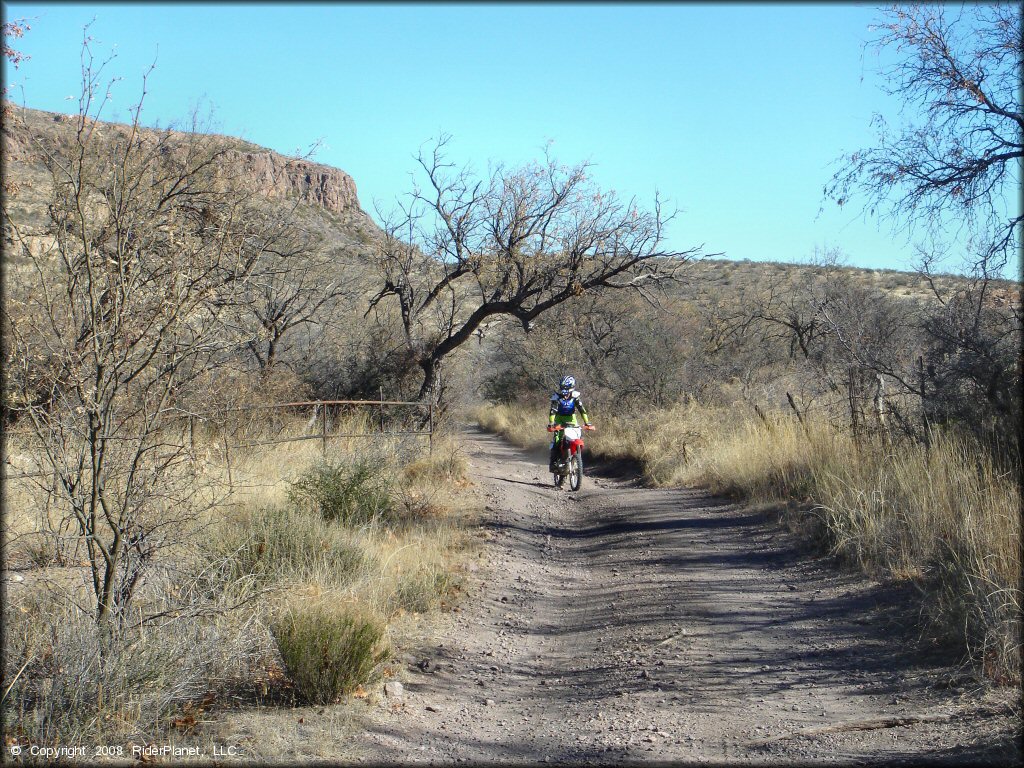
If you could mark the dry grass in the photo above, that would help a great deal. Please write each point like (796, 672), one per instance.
(764, 462)
(71, 684)
(521, 425)
(412, 548)
(396, 559)
(946, 518)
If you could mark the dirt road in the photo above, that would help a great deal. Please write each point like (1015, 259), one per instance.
(623, 624)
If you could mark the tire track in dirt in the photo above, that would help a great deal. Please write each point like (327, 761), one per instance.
(629, 624)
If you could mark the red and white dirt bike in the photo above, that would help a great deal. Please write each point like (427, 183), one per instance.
(570, 462)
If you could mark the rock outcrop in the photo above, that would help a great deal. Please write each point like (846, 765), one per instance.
(275, 175)
(281, 177)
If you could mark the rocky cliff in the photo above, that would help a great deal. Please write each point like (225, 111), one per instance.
(282, 177)
(276, 176)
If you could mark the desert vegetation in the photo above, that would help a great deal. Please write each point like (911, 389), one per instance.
(178, 545)
(271, 597)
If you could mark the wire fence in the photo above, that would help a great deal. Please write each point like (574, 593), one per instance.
(323, 413)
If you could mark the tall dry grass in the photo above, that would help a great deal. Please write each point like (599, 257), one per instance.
(947, 518)
(369, 529)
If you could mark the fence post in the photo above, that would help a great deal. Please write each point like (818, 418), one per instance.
(382, 409)
(430, 426)
(879, 403)
(192, 433)
(323, 431)
(852, 395)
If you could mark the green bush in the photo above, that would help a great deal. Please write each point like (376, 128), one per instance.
(328, 651)
(358, 493)
(279, 543)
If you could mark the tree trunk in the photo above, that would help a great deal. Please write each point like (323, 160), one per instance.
(431, 389)
(879, 403)
(271, 351)
(852, 396)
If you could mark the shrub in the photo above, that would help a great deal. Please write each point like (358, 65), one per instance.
(70, 684)
(357, 493)
(280, 543)
(328, 651)
(421, 591)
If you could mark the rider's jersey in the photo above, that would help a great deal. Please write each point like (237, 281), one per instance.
(563, 409)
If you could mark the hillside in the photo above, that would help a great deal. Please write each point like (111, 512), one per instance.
(331, 209)
(330, 200)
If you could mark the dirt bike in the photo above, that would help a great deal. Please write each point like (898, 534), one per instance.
(570, 463)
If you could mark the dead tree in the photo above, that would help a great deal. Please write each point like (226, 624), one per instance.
(958, 165)
(300, 285)
(516, 243)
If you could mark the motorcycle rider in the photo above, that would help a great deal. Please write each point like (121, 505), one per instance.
(564, 404)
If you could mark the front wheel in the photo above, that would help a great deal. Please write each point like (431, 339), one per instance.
(576, 471)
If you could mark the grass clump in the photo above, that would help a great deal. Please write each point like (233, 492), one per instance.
(72, 683)
(351, 493)
(282, 543)
(328, 650)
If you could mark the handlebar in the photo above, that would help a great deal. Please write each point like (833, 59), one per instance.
(560, 427)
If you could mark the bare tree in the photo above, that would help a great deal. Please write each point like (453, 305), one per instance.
(959, 165)
(972, 363)
(516, 244)
(958, 169)
(299, 286)
(146, 243)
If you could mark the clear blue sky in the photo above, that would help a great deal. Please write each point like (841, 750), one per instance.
(735, 113)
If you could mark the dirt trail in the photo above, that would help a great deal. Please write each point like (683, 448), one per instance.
(624, 623)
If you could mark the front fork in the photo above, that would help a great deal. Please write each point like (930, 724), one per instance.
(558, 448)
(562, 450)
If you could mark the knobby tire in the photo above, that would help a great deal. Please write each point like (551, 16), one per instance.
(576, 471)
